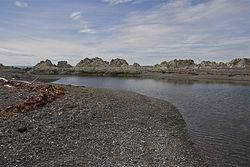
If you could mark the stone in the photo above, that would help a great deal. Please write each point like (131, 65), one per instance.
(208, 64)
(63, 64)
(94, 62)
(118, 63)
(22, 129)
(136, 65)
(239, 62)
(48, 62)
(44, 67)
(177, 63)
(44, 64)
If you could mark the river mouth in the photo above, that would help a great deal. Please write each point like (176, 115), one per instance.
(217, 115)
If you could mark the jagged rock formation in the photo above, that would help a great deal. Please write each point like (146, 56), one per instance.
(136, 65)
(189, 64)
(45, 67)
(118, 63)
(94, 62)
(240, 63)
(208, 64)
(63, 64)
(44, 64)
(98, 66)
(211, 65)
(177, 63)
(88, 66)
(234, 67)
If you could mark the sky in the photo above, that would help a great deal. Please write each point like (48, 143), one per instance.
(143, 31)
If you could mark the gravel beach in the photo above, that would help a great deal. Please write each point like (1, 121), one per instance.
(94, 127)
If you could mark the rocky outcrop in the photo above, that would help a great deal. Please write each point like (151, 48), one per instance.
(88, 66)
(136, 65)
(44, 64)
(239, 63)
(63, 64)
(118, 63)
(94, 62)
(97, 66)
(208, 64)
(234, 67)
(114, 67)
(177, 63)
(44, 67)
(189, 64)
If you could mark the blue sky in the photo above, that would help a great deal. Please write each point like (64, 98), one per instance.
(143, 31)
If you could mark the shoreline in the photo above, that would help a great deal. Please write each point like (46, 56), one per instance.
(238, 78)
(110, 128)
(185, 78)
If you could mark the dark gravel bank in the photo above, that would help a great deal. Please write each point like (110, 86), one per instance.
(95, 127)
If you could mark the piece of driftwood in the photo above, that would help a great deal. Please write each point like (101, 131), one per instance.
(3, 80)
(20, 81)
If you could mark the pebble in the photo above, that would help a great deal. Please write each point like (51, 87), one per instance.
(22, 129)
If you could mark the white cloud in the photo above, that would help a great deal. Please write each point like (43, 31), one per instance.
(33, 51)
(21, 4)
(82, 23)
(214, 30)
(87, 30)
(76, 15)
(115, 2)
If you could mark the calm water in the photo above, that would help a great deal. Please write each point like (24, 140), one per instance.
(217, 115)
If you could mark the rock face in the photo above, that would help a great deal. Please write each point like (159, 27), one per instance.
(184, 64)
(118, 63)
(177, 63)
(63, 64)
(136, 65)
(44, 67)
(234, 67)
(44, 64)
(208, 64)
(94, 62)
(115, 67)
(97, 66)
(240, 63)
(1, 65)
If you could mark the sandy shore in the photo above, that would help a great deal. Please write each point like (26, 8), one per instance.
(94, 127)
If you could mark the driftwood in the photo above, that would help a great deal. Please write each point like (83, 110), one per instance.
(45, 94)
(12, 83)
(3, 79)
(20, 81)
